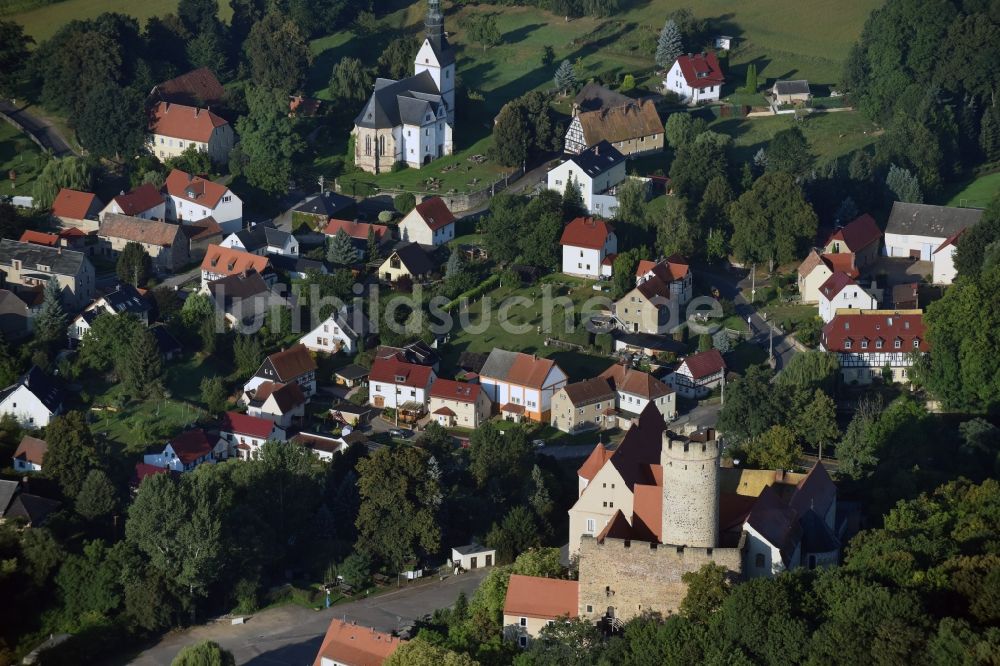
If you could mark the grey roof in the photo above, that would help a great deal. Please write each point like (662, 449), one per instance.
(817, 537)
(295, 264)
(32, 508)
(126, 298)
(472, 548)
(498, 363)
(41, 386)
(165, 341)
(352, 371)
(395, 103)
(260, 236)
(594, 96)
(7, 491)
(327, 204)
(932, 221)
(245, 296)
(598, 159)
(800, 87)
(59, 261)
(415, 259)
(353, 321)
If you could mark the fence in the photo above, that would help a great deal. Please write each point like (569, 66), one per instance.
(456, 202)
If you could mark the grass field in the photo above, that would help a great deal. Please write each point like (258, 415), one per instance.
(20, 155)
(978, 193)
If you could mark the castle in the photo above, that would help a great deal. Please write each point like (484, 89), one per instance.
(411, 121)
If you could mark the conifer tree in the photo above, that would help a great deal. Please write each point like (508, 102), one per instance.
(373, 253)
(572, 201)
(140, 367)
(565, 78)
(670, 45)
(903, 185)
(989, 134)
(342, 250)
(51, 321)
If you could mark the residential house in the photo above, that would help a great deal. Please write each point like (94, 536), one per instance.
(173, 128)
(297, 268)
(164, 242)
(791, 92)
(72, 208)
(406, 261)
(584, 405)
(30, 454)
(186, 451)
(636, 389)
(472, 556)
(350, 414)
(396, 384)
(521, 385)
(199, 87)
(18, 505)
(25, 268)
(145, 202)
(351, 375)
(860, 237)
(418, 352)
(292, 365)
(193, 198)
(358, 232)
(317, 210)
(263, 239)
(944, 260)
(906, 296)
(344, 330)
(39, 238)
(429, 223)
(245, 434)
(33, 400)
(532, 602)
(589, 248)
(245, 300)
(15, 318)
(200, 236)
(459, 404)
(633, 128)
(597, 171)
(653, 307)
(872, 343)
(347, 644)
(695, 78)
(841, 292)
(817, 268)
(124, 299)
(928, 233)
(322, 446)
(698, 374)
(220, 262)
(281, 403)
(594, 97)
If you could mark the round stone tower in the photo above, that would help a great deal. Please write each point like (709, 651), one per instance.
(690, 489)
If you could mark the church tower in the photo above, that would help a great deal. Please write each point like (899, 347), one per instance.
(437, 57)
(690, 511)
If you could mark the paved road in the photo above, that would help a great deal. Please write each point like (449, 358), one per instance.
(40, 128)
(291, 634)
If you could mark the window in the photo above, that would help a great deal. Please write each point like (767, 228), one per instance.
(522, 641)
(759, 560)
(591, 524)
(524, 622)
(916, 344)
(864, 344)
(898, 344)
(878, 344)
(590, 609)
(847, 344)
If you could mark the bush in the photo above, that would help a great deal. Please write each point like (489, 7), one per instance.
(385, 216)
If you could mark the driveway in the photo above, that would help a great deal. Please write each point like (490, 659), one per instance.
(43, 131)
(292, 635)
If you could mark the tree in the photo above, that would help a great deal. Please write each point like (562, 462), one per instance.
(197, 15)
(713, 210)
(483, 30)
(548, 55)
(903, 185)
(98, 497)
(628, 83)
(669, 45)
(789, 152)
(752, 406)
(356, 570)
(350, 80)
(71, 453)
(247, 355)
(213, 394)
(141, 368)
(373, 253)
(511, 135)
(623, 271)
(707, 588)
(846, 212)
(776, 448)
(74, 173)
(750, 86)
(695, 164)
(396, 61)
(103, 344)
(191, 160)
(679, 129)
(51, 322)
(514, 535)
(569, 641)
(134, 265)
(404, 203)
(972, 250)
(205, 653)
(856, 452)
(278, 54)
(675, 234)
(268, 141)
(14, 45)
(565, 78)
(572, 201)
(540, 242)
(341, 250)
(811, 370)
(989, 134)
(89, 583)
(772, 222)
(419, 652)
(817, 422)
(208, 49)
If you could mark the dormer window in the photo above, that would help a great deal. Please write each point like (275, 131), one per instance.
(898, 344)
(400, 379)
(847, 344)
(916, 343)
(878, 344)
(864, 344)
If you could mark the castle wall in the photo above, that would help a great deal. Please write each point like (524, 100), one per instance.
(634, 577)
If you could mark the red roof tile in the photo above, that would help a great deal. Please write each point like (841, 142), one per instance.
(347, 643)
(191, 445)
(72, 232)
(31, 449)
(701, 70)
(435, 213)
(292, 362)
(230, 261)
(544, 598)
(873, 325)
(394, 371)
(636, 382)
(139, 200)
(446, 389)
(358, 230)
(184, 122)
(586, 232)
(704, 364)
(858, 234)
(841, 261)
(594, 462)
(835, 284)
(444, 411)
(195, 189)
(197, 86)
(40, 238)
(73, 204)
(244, 424)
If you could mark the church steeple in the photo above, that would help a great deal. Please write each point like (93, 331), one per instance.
(434, 26)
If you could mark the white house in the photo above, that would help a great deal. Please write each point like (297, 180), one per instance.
(473, 556)
(263, 239)
(635, 389)
(430, 223)
(918, 230)
(33, 400)
(589, 247)
(125, 299)
(841, 292)
(193, 198)
(294, 364)
(246, 434)
(596, 171)
(145, 202)
(281, 403)
(869, 342)
(343, 330)
(695, 78)
(698, 374)
(944, 260)
(522, 385)
(30, 454)
(186, 451)
(394, 383)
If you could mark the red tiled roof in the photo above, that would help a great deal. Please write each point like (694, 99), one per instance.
(347, 643)
(139, 200)
(858, 234)
(871, 326)
(669, 270)
(31, 449)
(841, 261)
(444, 411)
(586, 232)
(595, 461)
(701, 70)
(808, 264)
(435, 213)
(835, 284)
(73, 204)
(358, 230)
(40, 238)
(230, 261)
(184, 122)
(704, 364)
(195, 189)
(511, 408)
(544, 598)
(292, 362)
(647, 507)
(72, 232)
(617, 528)
(394, 371)
(244, 424)
(191, 445)
(636, 382)
(286, 396)
(950, 240)
(199, 85)
(448, 389)
(142, 470)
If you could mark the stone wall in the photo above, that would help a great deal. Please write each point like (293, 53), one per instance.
(635, 577)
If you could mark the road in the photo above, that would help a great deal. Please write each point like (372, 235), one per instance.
(291, 634)
(40, 128)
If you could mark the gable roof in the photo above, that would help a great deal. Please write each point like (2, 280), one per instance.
(180, 121)
(586, 232)
(704, 364)
(126, 298)
(910, 219)
(327, 204)
(286, 396)
(872, 325)
(776, 522)
(202, 229)
(392, 370)
(594, 96)
(857, 234)
(195, 189)
(229, 261)
(701, 70)
(356, 230)
(292, 362)
(797, 87)
(31, 449)
(348, 643)
(669, 270)
(40, 385)
(237, 286)
(138, 230)
(448, 389)
(816, 492)
(75, 205)
(842, 262)
(39, 238)
(434, 212)
(395, 103)
(589, 391)
(139, 200)
(414, 259)
(7, 491)
(635, 382)
(809, 264)
(191, 445)
(594, 462)
(32, 508)
(517, 368)
(58, 260)
(950, 240)
(244, 424)
(260, 236)
(352, 321)
(835, 284)
(621, 123)
(545, 598)
(197, 87)
(597, 159)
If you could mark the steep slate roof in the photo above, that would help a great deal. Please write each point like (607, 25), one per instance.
(621, 123)
(517, 368)
(448, 389)
(414, 259)
(872, 325)
(151, 232)
(640, 448)
(598, 158)
(327, 204)
(704, 364)
(352, 321)
(126, 298)
(32, 508)
(798, 87)
(292, 362)
(244, 424)
(347, 643)
(835, 284)
(594, 96)
(932, 221)
(586, 232)
(139, 200)
(75, 205)
(195, 189)
(356, 230)
(31, 449)
(7, 491)
(260, 236)
(701, 70)
(394, 371)
(41, 386)
(545, 598)
(636, 382)
(229, 261)
(589, 391)
(775, 521)
(403, 102)
(857, 234)
(434, 212)
(197, 87)
(39, 238)
(816, 492)
(64, 262)
(286, 396)
(191, 445)
(184, 122)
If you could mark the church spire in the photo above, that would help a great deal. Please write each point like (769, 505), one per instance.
(434, 25)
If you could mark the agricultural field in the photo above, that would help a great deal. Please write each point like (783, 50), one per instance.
(18, 155)
(976, 194)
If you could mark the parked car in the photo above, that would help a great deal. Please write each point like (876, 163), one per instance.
(401, 433)
(538, 443)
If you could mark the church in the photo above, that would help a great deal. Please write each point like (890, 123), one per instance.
(411, 121)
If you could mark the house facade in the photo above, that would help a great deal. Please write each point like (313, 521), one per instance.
(30, 455)
(344, 330)
(406, 261)
(173, 128)
(524, 382)
(873, 343)
(72, 208)
(292, 365)
(861, 237)
(655, 305)
(220, 262)
(459, 404)
(193, 198)
(395, 384)
(589, 247)
(281, 403)
(585, 405)
(187, 451)
(632, 127)
(840, 292)
(533, 602)
(242, 435)
(596, 171)
(429, 223)
(263, 239)
(145, 202)
(165, 243)
(917, 230)
(33, 400)
(636, 389)
(695, 78)
(698, 374)
(791, 92)
(26, 267)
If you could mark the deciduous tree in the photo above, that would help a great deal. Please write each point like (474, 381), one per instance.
(278, 54)
(98, 497)
(772, 222)
(14, 45)
(205, 653)
(268, 141)
(350, 80)
(134, 265)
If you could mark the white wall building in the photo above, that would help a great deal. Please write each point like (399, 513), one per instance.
(841, 292)
(393, 383)
(33, 400)
(695, 78)
(343, 330)
(925, 232)
(193, 198)
(596, 171)
(430, 223)
(589, 247)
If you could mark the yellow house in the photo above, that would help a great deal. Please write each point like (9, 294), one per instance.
(533, 602)
(175, 127)
(459, 404)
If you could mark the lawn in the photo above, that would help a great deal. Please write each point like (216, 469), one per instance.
(978, 193)
(20, 155)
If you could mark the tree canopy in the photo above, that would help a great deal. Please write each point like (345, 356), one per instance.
(772, 222)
